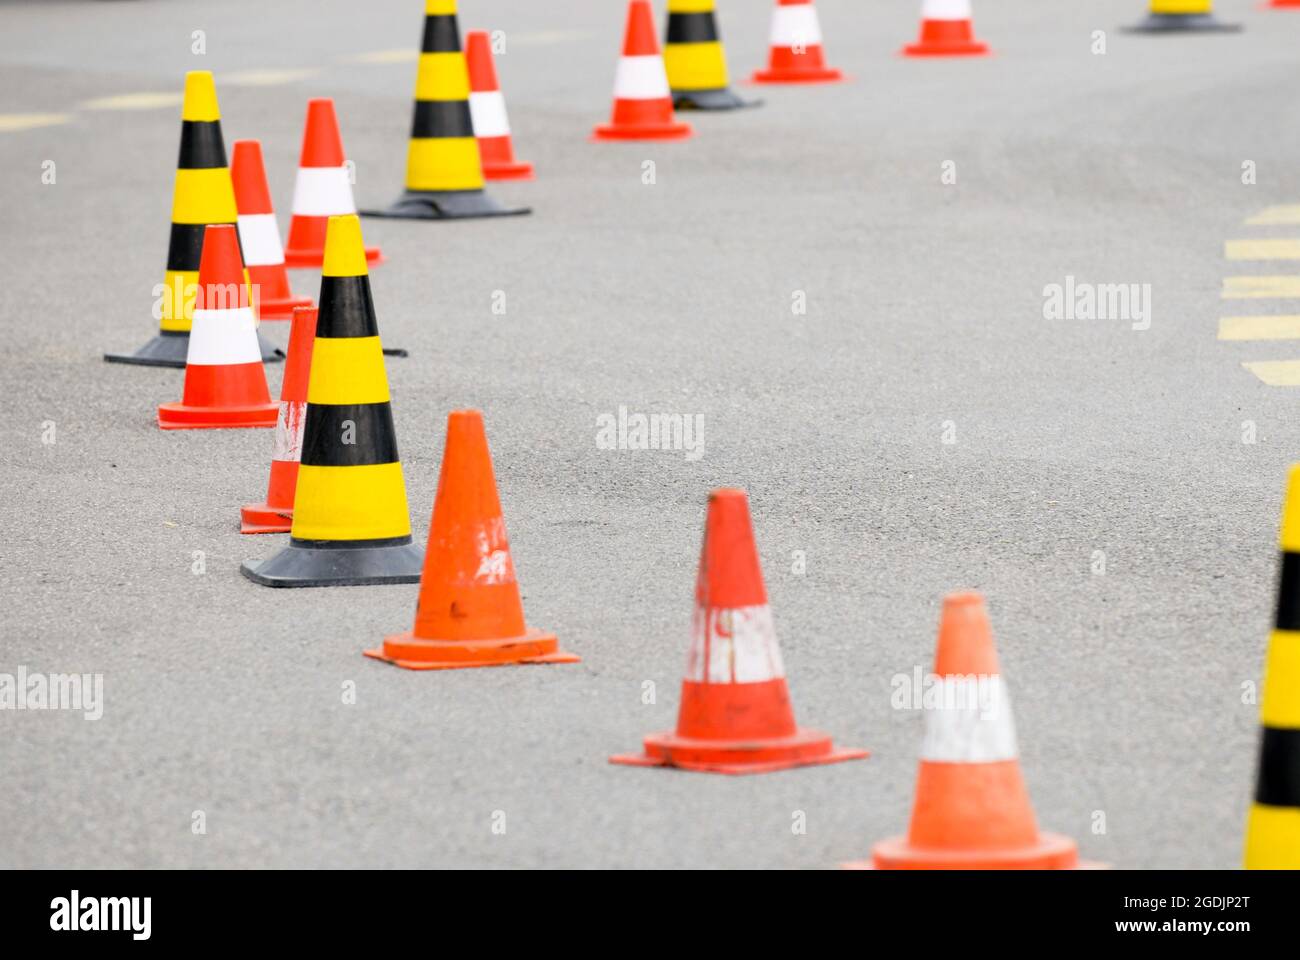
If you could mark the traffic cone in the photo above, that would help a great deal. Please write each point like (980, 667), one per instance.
(1178, 16)
(1273, 826)
(735, 715)
(643, 103)
(322, 189)
(225, 385)
(260, 236)
(946, 31)
(972, 811)
(487, 107)
(469, 613)
(795, 47)
(351, 524)
(1285, 5)
(275, 514)
(444, 172)
(203, 194)
(695, 60)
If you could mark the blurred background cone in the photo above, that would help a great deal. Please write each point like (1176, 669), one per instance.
(259, 235)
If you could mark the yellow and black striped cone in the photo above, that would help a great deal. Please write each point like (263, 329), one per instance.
(695, 60)
(351, 523)
(1273, 827)
(1177, 16)
(444, 172)
(204, 194)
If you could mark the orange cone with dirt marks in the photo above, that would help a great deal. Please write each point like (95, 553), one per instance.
(735, 715)
(469, 613)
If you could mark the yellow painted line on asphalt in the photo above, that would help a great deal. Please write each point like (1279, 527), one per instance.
(1273, 248)
(13, 122)
(266, 78)
(405, 55)
(1280, 327)
(1276, 216)
(1256, 288)
(132, 101)
(1276, 373)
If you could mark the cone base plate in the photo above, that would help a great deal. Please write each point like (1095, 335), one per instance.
(519, 170)
(282, 309)
(972, 49)
(804, 749)
(723, 98)
(179, 416)
(1182, 23)
(302, 565)
(414, 653)
(263, 518)
(825, 75)
(445, 205)
(1052, 852)
(171, 350)
(315, 259)
(663, 131)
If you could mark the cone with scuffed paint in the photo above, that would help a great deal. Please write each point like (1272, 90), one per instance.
(468, 613)
(946, 31)
(795, 52)
(971, 810)
(1182, 16)
(203, 194)
(225, 385)
(259, 235)
(695, 59)
(275, 514)
(735, 715)
(1273, 825)
(643, 102)
(351, 524)
(444, 170)
(487, 107)
(322, 189)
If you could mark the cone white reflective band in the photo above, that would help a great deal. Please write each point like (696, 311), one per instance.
(223, 337)
(945, 10)
(323, 192)
(795, 26)
(734, 645)
(288, 431)
(640, 78)
(488, 113)
(972, 722)
(260, 237)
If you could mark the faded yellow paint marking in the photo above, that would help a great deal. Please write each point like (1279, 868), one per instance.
(1276, 216)
(133, 101)
(1280, 327)
(1253, 288)
(1276, 373)
(266, 78)
(13, 122)
(405, 55)
(1275, 248)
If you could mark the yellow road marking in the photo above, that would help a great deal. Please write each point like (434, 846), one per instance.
(133, 101)
(266, 78)
(1276, 373)
(405, 55)
(1275, 216)
(1277, 248)
(1253, 288)
(1280, 327)
(13, 122)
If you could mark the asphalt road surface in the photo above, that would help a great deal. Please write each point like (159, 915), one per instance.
(924, 323)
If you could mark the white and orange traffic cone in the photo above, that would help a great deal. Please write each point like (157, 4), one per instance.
(259, 235)
(643, 103)
(795, 47)
(323, 188)
(946, 31)
(487, 107)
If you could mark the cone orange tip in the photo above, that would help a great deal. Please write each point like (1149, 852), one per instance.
(795, 52)
(643, 102)
(946, 31)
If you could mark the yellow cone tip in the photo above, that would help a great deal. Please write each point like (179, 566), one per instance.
(345, 251)
(1290, 538)
(200, 97)
(434, 8)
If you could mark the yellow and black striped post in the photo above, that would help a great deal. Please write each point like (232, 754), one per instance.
(203, 195)
(351, 523)
(1173, 16)
(695, 60)
(444, 172)
(1273, 827)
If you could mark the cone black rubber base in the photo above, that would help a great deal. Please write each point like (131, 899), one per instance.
(307, 563)
(170, 350)
(721, 99)
(1183, 23)
(445, 205)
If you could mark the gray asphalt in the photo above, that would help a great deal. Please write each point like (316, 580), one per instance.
(924, 306)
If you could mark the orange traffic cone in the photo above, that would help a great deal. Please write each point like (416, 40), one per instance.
(795, 47)
(469, 613)
(260, 236)
(972, 811)
(323, 188)
(487, 107)
(643, 103)
(735, 715)
(275, 514)
(946, 31)
(225, 385)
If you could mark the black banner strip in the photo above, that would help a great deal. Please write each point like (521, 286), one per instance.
(1288, 593)
(441, 118)
(692, 28)
(1279, 768)
(346, 309)
(201, 145)
(348, 435)
(441, 35)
